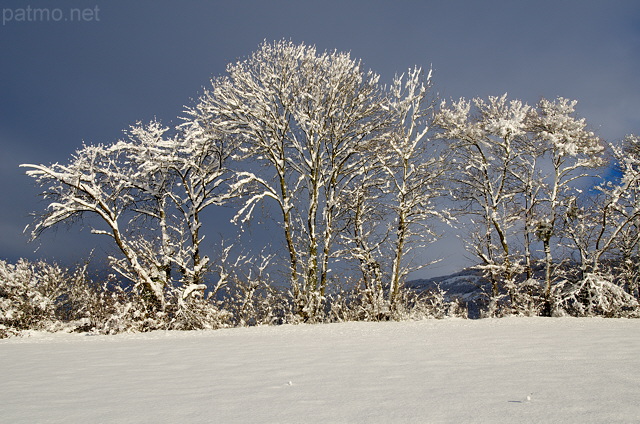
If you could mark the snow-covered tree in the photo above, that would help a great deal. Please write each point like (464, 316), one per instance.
(413, 167)
(486, 145)
(363, 235)
(606, 225)
(92, 183)
(303, 117)
(149, 191)
(202, 174)
(517, 169)
(389, 201)
(147, 153)
(571, 149)
(627, 243)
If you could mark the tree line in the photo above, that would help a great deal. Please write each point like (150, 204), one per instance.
(358, 176)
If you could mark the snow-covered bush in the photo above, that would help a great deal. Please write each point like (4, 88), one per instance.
(593, 295)
(23, 302)
(526, 298)
(45, 297)
(255, 302)
(357, 305)
(431, 304)
(117, 310)
(42, 296)
(194, 309)
(360, 304)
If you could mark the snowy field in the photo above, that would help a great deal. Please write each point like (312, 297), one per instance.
(512, 370)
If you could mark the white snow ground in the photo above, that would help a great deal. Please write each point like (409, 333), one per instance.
(456, 371)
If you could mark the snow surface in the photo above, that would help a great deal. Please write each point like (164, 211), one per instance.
(506, 370)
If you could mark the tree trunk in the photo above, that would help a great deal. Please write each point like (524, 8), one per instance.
(547, 275)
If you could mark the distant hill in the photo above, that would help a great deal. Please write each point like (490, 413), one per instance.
(467, 285)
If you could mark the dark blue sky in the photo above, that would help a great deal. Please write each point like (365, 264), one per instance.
(62, 82)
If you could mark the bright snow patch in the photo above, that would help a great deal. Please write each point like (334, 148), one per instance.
(493, 370)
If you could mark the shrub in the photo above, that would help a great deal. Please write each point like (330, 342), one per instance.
(594, 294)
(361, 305)
(42, 296)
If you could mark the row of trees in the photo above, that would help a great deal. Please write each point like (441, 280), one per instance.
(308, 134)
(356, 175)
